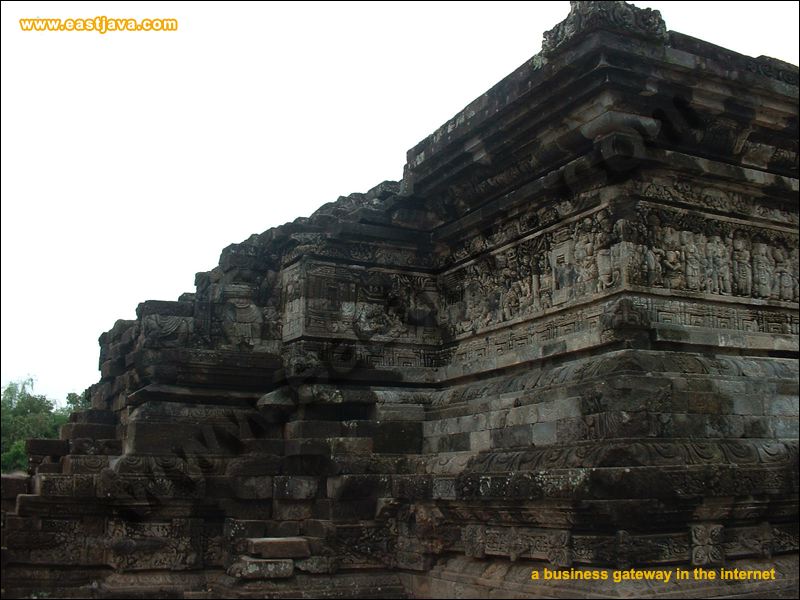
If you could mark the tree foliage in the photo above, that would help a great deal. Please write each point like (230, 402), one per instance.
(28, 415)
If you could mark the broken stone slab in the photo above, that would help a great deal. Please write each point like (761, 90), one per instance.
(248, 567)
(279, 547)
(277, 401)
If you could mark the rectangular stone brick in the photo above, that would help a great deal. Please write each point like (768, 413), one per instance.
(292, 510)
(313, 429)
(544, 434)
(295, 487)
(278, 547)
(444, 488)
(44, 447)
(243, 528)
(354, 487)
(744, 405)
(480, 440)
(93, 415)
(282, 529)
(757, 427)
(523, 415)
(398, 437)
(454, 443)
(399, 412)
(511, 437)
(253, 488)
(785, 427)
(782, 406)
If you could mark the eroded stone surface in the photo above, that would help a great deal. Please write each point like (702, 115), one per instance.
(567, 339)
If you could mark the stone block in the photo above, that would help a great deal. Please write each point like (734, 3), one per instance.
(292, 510)
(253, 465)
(346, 445)
(259, 568)
(523, 415)
(253, 488)
(307, 447)
(49, 467)
(785, 427)
(353, 487)
(282, 529)
(109, 447)
(94, 416)
(543, 434)
(512, 437)
(278, 547)
(758, 427)
(745, 405)
(318, 528)
(444, 488)
(782, 406)
(454, 442)
(318, 565)
(243, 528)
(45, 447)
(480, 441)
(14, 485)
(398, 437)
(399, 412)
(295, 487)
(312, 429)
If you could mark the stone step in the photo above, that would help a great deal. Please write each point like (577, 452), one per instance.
(278, 547)
(14, 485)
(94, 416)
(46, 447)
(87, 430)
(49, 468)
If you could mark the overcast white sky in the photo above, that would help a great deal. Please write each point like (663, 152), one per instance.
(129, 160)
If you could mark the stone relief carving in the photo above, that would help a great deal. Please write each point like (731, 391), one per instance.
(683, 253)
(584, 16)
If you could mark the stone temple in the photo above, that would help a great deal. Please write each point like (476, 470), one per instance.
(566, 341)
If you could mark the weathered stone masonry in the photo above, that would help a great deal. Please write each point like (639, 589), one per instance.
(567, 338)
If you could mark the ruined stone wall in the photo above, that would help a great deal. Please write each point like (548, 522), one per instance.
(567, 339)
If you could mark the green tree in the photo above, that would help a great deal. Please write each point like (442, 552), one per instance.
(27, 415)
(78, 401)
(16, 459)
